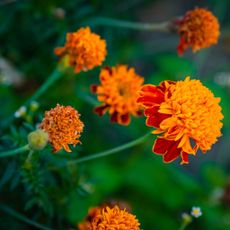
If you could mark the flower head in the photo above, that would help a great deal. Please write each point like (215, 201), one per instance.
(84, 49)
(196, 212)
(186, 113)
(110, 218)
(118, 93)
(63, 126)
(198, 29)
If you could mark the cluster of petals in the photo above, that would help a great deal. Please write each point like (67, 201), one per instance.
(118, 91)
(185, 113)
(84, 50)
(198, 29)
(107, 218)
(63, 126)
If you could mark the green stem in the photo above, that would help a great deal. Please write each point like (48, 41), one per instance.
(183, 225)
(14, 151)
(44, 87)
(19, 216)
(108, 152)
(161, 26)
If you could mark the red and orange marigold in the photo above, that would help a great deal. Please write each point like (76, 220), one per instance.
(118, 93)
(84, 49)
(187, 115)
(106, 218)
(63, 126)
(198, 29)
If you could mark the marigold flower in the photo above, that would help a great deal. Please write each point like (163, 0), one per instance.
(118, 93)
(84, 49)
(109, 219)
(186, 113)
(198, 29)
(63, 126)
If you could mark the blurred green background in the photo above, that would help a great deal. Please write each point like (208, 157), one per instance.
(158, 193)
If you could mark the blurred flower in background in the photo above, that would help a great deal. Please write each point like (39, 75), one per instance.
(84, 49)
(118, 92)
(198, 29)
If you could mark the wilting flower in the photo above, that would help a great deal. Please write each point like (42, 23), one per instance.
(118, 93)
(63, 126)
(196, 212)
(103, 218)
(198, 29)
(84, 49)
(186, 113)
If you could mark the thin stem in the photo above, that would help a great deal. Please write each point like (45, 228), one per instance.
(19, 216)
(108, 152)
(50, 80)
(183, 226)
(161, 26)
(14, 151)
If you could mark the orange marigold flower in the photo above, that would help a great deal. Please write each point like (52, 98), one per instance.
(198, 29)
(84, 49)
(118, 93)
(63, 126)
(110, 219)
(186, 113)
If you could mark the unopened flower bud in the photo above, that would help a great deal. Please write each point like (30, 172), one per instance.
(186, 218)
(34, 106)
(38, 139)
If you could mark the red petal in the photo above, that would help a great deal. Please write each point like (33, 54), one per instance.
(150, 100)
(151, 111)
(114, 117)
(167, 148)
(163, 87)
(181, 47)
(93, 88)
(184, 157)
(172, 154)
(161, 145)
(149, 88)
(156, 119)
(124, 119)
(101, 110)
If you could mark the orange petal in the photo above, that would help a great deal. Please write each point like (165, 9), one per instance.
(168, 123)
(59, 51)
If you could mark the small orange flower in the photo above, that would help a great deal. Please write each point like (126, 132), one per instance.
(118, 93)
(198, 29)
(186, 113)
(63, 126)
(110, 219)
(84, 49)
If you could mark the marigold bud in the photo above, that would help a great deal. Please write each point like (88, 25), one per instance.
(38, 139)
